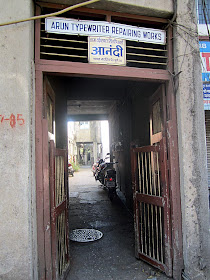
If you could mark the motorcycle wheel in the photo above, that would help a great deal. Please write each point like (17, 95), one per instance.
(111, 194)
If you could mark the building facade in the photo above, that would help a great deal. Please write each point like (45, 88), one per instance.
(85, 144)
(155, 100)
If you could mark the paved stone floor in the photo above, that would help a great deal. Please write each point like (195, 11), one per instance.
(111, 257)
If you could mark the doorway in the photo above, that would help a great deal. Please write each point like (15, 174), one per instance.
(123, 102)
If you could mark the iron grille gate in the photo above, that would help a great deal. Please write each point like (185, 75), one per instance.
(151, 206)
(59, 212)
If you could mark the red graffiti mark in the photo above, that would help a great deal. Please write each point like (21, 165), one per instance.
(13, 120)
(2, 118)
(20, 120)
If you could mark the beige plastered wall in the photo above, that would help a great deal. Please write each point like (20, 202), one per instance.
(17, 180)
(191, 140)
(158, 8)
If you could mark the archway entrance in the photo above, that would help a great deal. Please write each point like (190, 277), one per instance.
(64, 80)
(135, 120)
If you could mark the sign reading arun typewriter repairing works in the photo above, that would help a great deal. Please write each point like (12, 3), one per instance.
(105, 29)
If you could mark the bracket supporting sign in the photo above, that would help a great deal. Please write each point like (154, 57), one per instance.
(105, 29)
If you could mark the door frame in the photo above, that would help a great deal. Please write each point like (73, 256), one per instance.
(152, 195)
(43, 67)
(159, 94)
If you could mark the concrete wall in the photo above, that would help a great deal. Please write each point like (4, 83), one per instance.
(120, 139)
(129, 124)
(191, 138)
(61, 135)
(92, 134)
(17, 188)
(18, 258)
(140, 111)
(159, 8)
(91, 137)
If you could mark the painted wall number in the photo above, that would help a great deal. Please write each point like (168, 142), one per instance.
(13, 120)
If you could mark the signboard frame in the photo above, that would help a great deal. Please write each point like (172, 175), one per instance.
(205, 64)
(106, 50)
(70, 26)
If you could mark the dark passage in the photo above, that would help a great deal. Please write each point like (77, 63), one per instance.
(111, 257)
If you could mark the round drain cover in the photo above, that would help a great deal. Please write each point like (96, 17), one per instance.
(85, 235)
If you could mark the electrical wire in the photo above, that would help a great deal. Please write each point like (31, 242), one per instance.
(188, 43)
(174, 15)
(186, 29)
(51, 14)
(189, 32)
(173, 76)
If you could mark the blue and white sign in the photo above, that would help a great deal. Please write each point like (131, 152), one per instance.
(103, 50)
(103, 28)
(206, 96)
(206, 91)
(205, 60)
(205, 64)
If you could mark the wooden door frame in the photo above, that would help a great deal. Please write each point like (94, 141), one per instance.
(159, 94)
(173, 162)
(110, 72)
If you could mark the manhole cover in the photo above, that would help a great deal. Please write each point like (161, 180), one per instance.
(85, 235)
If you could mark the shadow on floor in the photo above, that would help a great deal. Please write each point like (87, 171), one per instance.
(111, 257)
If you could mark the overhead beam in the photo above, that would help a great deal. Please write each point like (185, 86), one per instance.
(79, 118)
(96, 70)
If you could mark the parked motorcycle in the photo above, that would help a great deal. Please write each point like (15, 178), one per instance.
(70, 170)
(94, 168)
(106, 175)
(110, 181)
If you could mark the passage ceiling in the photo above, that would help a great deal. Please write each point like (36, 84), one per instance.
(93, 98)
(88, 109)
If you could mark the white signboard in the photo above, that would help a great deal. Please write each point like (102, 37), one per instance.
(103, 28)
(103, 50)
